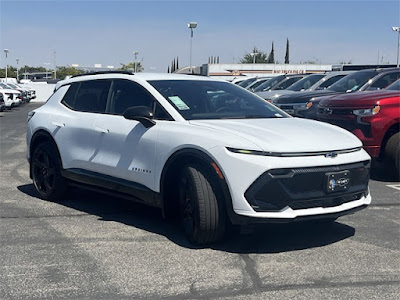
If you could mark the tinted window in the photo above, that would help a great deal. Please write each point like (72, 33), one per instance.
(247, 82)
(384, 81)
(305, 83)
(125, 94)
(266, 86)
(69, 97)
(327, 83)
(353, 82)
(214, 100)
(395, 86)
(88, 96)
(285, 84)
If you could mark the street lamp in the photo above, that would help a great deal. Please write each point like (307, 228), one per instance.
(191, 25)
(17, 59)
(55, 66)
(46, 64)
(135, 53)
(254, 56)
(398, 42)
(6, 52)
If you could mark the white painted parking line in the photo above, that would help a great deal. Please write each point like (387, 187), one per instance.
(394, 186)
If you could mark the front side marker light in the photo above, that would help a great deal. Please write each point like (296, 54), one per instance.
(309, 104)
(217, 170)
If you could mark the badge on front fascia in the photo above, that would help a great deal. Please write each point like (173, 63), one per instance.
(179, 103)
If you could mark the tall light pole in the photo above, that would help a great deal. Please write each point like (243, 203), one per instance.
(6, 52)
(398, 42)
(191, 25)
(55, 67)
(254, 56)
(17, 59)
(46, 64)
(136, 54)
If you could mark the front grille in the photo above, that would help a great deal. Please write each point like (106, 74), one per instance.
(301, 188)
(326, 202)
(335, 111)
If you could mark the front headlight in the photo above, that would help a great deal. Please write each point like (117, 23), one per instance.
(244, 151)
(367, 111)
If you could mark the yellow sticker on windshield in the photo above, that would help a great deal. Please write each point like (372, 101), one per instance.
(179, 103)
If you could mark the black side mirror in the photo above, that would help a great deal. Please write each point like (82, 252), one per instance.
(143, 114)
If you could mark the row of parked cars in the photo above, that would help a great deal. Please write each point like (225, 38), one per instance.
(13, 94)
(365, 102)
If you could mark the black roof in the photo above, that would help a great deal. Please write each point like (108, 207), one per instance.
(104, 72)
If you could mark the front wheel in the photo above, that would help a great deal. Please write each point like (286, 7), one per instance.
(45, 168)
(392, 154)
(202, 212)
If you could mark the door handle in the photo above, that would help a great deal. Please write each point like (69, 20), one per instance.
(101, 130)
(58, 124)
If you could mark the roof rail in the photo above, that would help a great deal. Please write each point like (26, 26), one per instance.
(104, 72)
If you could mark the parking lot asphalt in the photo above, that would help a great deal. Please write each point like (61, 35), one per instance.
(93, 246)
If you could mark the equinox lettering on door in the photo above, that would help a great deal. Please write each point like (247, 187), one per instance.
(139, 170)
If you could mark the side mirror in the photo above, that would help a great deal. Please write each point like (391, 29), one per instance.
(143, 114)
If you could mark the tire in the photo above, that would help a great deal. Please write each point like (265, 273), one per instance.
(45, 168)
(392, 154)
(202, 211)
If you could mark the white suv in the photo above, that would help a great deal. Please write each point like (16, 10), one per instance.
(202, 149)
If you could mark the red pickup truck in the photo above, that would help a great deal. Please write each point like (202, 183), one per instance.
(374, 117)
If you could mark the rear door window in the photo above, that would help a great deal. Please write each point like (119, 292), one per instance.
(88, 96)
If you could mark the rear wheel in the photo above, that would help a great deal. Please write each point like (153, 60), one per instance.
(45, 168)
(202, 213)
(392, 154)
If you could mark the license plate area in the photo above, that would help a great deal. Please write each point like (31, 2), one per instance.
(337, 181)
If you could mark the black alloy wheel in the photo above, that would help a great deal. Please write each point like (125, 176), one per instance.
(202, 213)
(46, 172)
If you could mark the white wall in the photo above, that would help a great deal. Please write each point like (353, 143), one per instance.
(43, 90)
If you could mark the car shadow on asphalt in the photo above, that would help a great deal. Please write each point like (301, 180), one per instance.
(379, 172)
(260, 238)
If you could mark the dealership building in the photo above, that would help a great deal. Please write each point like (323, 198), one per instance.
(233, 71)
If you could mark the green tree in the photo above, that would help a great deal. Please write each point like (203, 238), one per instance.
(256, 56)
(287, 52)
(131, 66)
(11, 72)
(271, 56)
(63, 72)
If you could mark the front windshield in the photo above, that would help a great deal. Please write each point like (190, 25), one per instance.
(395, 86)
(13, 86)
(247, 82)
(4, 86)
(266, 86)
(353, 82)
(256, 84)
(305, 83)
(200, 99)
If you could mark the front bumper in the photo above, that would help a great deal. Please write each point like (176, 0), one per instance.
(243, 171)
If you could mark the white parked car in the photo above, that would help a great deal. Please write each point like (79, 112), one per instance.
(11, 98)
(202, 149)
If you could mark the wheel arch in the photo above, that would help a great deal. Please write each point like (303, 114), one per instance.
(39, 137)
(170, 178)
(391, 131)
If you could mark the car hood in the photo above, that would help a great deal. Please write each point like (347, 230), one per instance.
(273, 94)
(284, 134)
(360, 99)
(300, 97)
(10, 91)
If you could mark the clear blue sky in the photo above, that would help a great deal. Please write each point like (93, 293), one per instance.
(107, 32)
